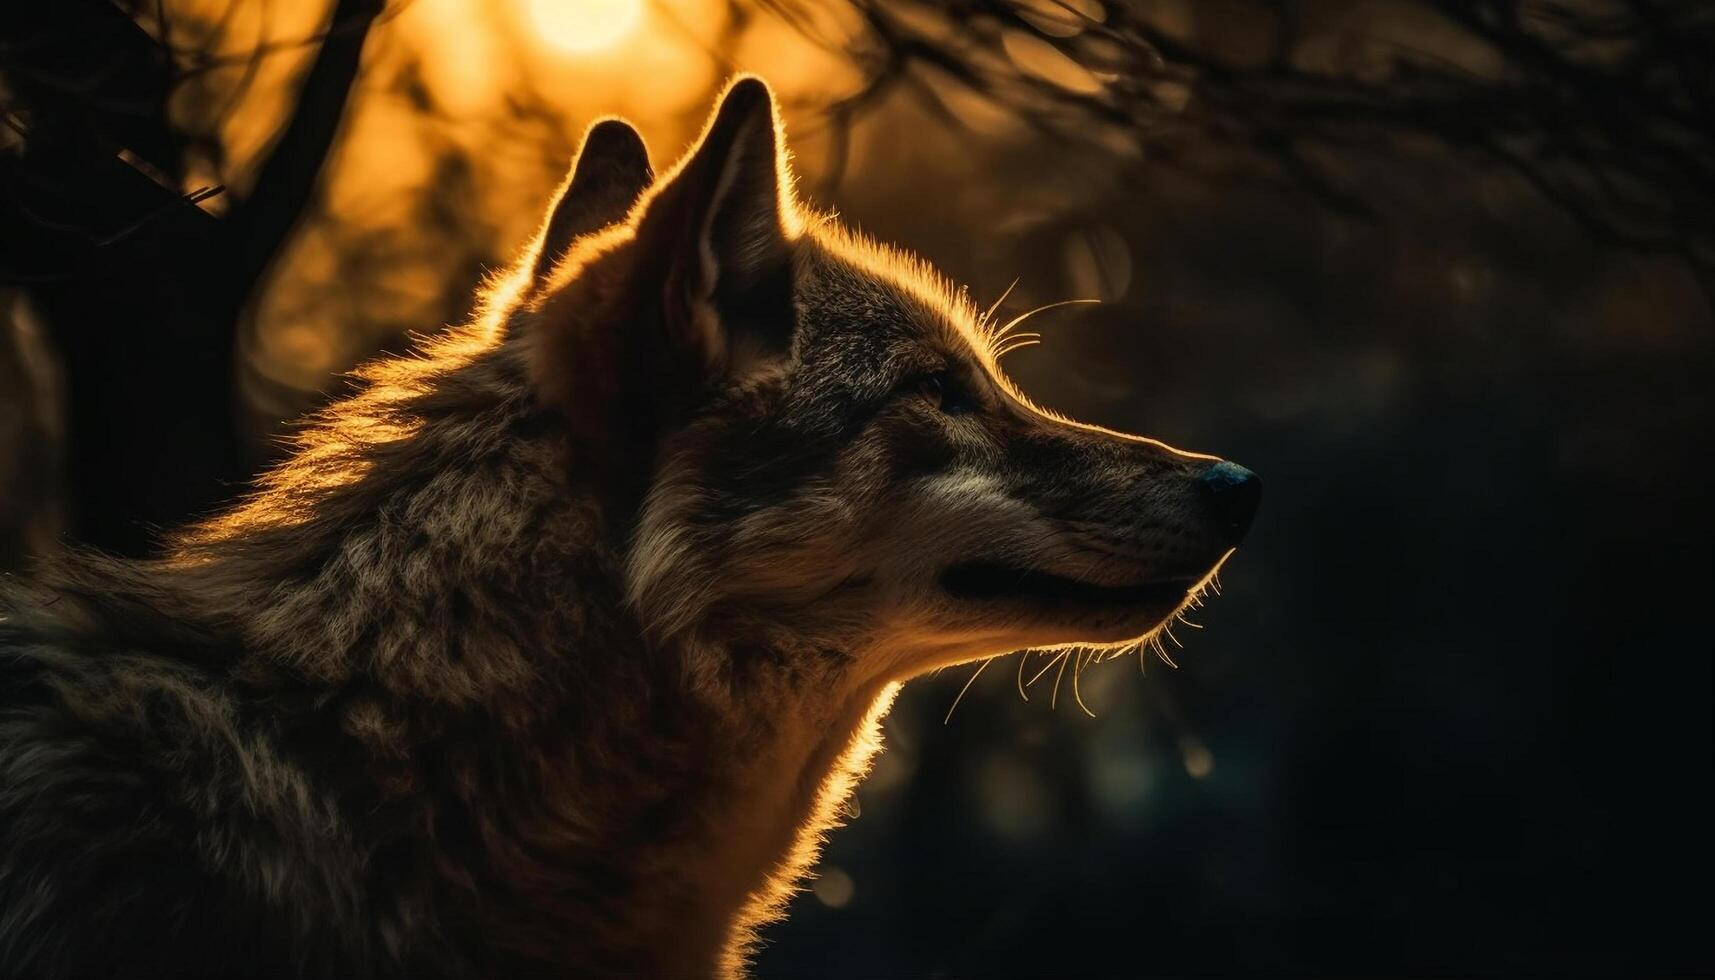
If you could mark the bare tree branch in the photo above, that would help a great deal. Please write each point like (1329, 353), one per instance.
(287, 177)
(1606, 107)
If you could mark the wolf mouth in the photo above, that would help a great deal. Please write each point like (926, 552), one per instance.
(992, 580)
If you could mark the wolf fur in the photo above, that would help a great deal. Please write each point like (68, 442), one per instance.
(555, 647)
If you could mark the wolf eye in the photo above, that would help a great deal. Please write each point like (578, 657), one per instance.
(942, 389)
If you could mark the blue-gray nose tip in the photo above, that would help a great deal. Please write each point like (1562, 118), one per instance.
(1233, 492)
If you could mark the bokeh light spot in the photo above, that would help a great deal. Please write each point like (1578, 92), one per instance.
(833, 888)
(1199, 761)
(584, 26)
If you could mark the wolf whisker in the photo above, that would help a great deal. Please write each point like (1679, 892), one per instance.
(1027, 314)
(1015, 343)
(1161, 651)
(1054, 698)
(1046, 668)
(1021, 335)
(988, 315)
(1079, 670)
(974, 675)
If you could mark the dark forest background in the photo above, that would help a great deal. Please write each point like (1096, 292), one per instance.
(1442, 271)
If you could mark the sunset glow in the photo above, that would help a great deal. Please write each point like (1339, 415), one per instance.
(584, 26)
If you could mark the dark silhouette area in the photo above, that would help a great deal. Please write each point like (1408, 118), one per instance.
(140, 290)
(1438, 270)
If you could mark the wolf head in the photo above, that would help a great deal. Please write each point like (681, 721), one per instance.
(803, 438)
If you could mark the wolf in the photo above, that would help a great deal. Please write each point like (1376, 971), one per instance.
(554, 648)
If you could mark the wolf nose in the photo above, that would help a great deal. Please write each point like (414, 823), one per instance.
(1234, 493)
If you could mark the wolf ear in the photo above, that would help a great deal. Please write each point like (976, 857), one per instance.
(696, 288)
(724, 221)
(609, 175)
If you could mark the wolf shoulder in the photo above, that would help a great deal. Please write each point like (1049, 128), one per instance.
(147, 828)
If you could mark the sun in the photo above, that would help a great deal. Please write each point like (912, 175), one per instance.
(584, 26)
